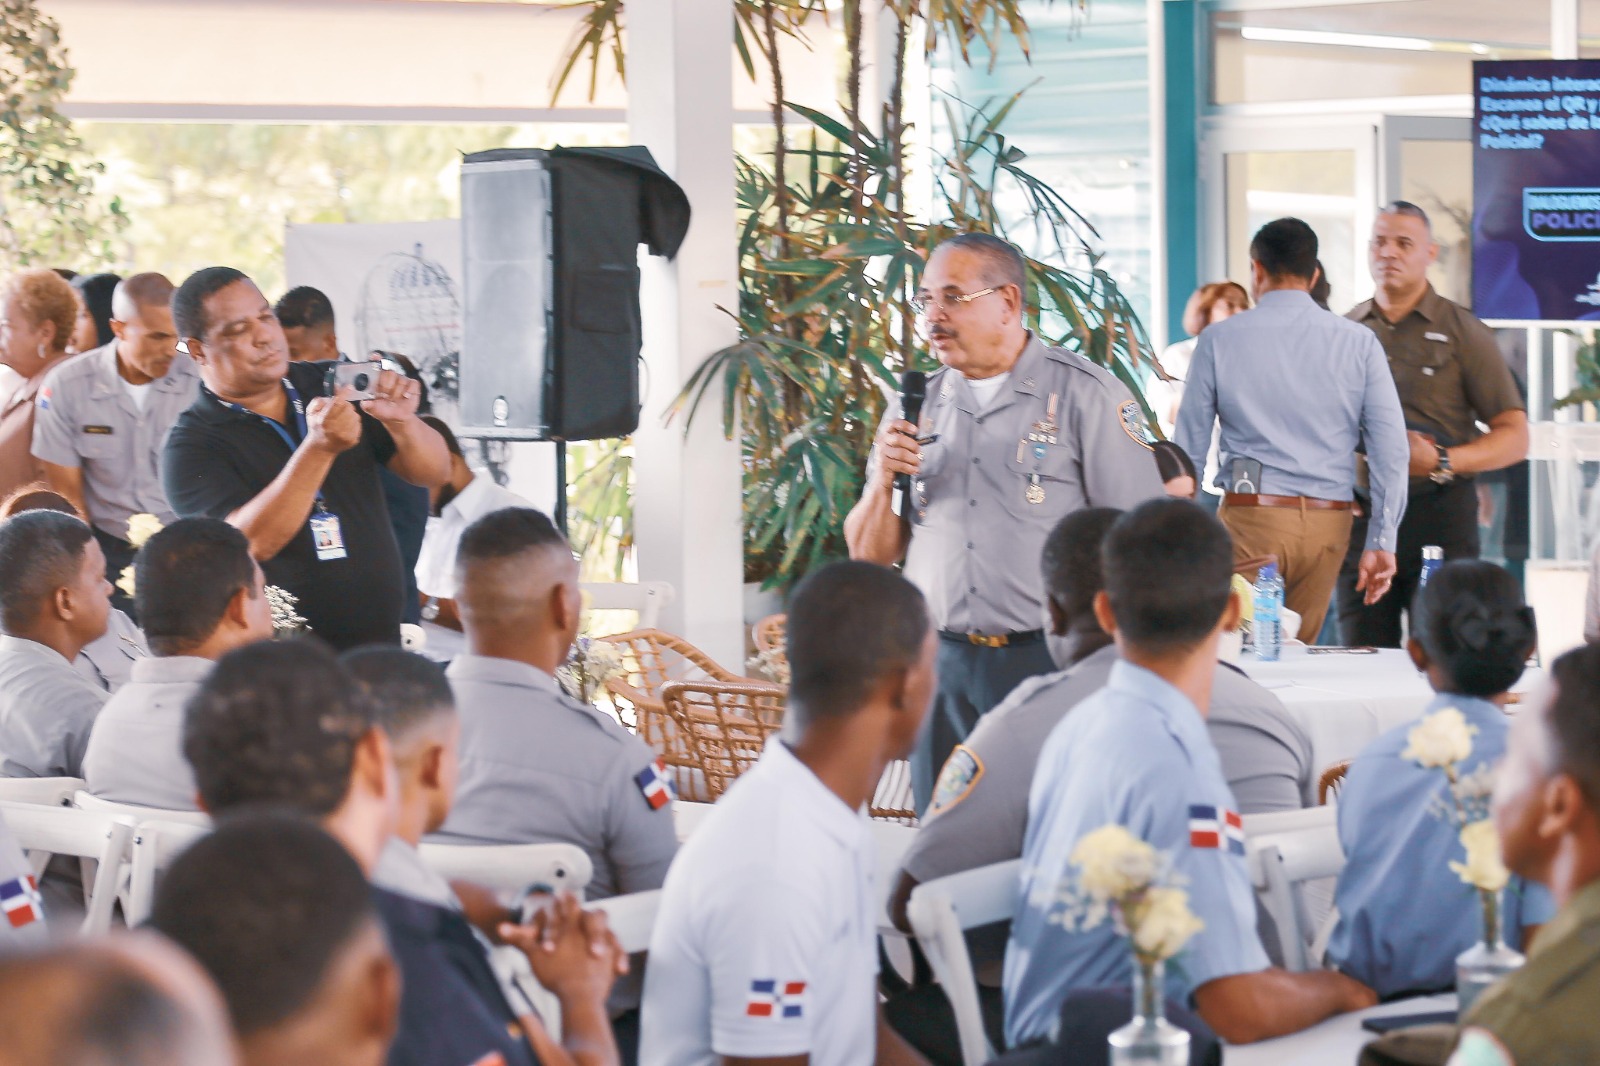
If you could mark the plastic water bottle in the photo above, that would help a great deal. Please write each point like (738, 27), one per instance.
(1268, 625)
(1432, 559)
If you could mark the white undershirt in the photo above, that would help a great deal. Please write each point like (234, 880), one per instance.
(139, 393)
(984, 390)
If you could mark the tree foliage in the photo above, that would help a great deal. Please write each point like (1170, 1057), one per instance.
(49, 213)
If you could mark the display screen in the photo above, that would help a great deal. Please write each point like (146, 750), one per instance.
(1536, 189)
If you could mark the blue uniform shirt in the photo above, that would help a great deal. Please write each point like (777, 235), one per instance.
(1404, 915)
(1136, 753)
(1299, 391)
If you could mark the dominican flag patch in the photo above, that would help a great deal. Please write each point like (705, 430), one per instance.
(21, 901)
(776, 999)
(1214, 827)
(655, 785)
(44, 400)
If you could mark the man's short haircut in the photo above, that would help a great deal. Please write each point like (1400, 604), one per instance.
(40, 551)
(1002, 262)
(507, 532)
(36, 496)
(1286, 248)
(80, 1003)
(1471, 619)
(444, 431)
(188, 303)
(1408, 209)
(850, 625)
(1071, 559)
(184, 578)
(1572, 720)
(277, 723)
(1168, 570)
(265, 903)
(406, 690)
(304, 307)
(139, 291)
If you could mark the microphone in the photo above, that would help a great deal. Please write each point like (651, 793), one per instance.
(913, 390)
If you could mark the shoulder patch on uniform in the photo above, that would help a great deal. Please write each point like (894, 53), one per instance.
(1478, 1047)
(655, 785)
(1134, 425)
(44, 398)
(21, 902)
(1215, 828)
(962, 772)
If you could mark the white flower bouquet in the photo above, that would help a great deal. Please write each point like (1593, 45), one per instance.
(590, 664)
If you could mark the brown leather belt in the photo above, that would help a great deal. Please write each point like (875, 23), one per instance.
(1308, 503)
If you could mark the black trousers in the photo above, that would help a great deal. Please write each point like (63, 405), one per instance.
(972, 680)
(1446, 515)
(119, 554)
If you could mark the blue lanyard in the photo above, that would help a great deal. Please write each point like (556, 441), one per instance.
(299, 410)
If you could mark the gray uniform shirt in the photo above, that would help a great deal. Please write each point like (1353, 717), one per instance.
(108, 662)
(90, 422)
(987, 495)
(136, 747)
(980, 806)
(538, 767)
(46, 711)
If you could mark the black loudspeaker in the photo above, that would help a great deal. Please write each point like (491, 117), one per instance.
(550, 349)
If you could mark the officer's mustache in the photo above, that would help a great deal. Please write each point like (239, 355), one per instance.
(937, 331)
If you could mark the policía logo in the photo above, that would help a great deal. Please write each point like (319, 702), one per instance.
(1561, 214)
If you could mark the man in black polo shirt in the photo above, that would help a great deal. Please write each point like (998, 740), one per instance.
(296, 470)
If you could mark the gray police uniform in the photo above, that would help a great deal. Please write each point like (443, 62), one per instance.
(93, 424)
(108, 661)
(46, 711)
(22, 922)
(980, 806)
(135, 750)
(1062, 434)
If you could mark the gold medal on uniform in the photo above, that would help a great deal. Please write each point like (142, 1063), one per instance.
(1035, 493)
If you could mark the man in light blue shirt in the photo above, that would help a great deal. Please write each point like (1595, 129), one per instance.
(1137, 754)
(1298, 393)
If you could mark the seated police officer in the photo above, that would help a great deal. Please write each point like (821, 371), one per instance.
(1137, 754)
(200, 595)
(764, 949)
(54, 600)
(284, 723)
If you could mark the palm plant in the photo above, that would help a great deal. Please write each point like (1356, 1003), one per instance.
(830, 256)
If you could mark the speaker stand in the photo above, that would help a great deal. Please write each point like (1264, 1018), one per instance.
(561, 487)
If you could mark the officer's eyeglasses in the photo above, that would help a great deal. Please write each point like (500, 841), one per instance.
(923, 301)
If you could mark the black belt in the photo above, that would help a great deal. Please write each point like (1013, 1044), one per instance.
(993, 640)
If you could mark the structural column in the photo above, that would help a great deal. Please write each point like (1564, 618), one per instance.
(687, 488)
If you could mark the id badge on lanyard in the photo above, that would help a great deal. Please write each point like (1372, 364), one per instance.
(326, 535)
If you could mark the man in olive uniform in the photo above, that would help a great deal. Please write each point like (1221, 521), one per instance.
(1547, 810)
(1014, 436)
(1450, 376)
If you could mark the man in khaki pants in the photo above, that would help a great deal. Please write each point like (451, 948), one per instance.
(1298, 392)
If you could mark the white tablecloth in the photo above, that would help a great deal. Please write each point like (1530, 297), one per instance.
(1336, 1042)
(1344, 702)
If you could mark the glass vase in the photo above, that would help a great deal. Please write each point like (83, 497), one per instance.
(1149, 1039)
(1486, 961)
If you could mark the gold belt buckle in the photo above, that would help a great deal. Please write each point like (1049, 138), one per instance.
(998, 640)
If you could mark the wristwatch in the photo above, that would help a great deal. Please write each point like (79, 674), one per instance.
(1442, 474)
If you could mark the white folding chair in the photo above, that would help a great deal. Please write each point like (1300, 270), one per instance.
(631, 917)
(1285, 852)
(891, 840)
(646, 597)
(940, 911)
(155, 845)
(48, 791)
(686, 817)
(511, 869)
(44, 830)
(87, 801)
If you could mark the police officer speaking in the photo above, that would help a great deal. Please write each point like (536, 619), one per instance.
(1014, 435)
(1451, 377)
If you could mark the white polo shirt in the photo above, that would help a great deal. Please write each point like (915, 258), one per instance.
(436, 564)
(766, 943)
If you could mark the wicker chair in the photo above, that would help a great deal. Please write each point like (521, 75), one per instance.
(652, 658)
(722, 726)
(1331, 780)
(769, 633)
